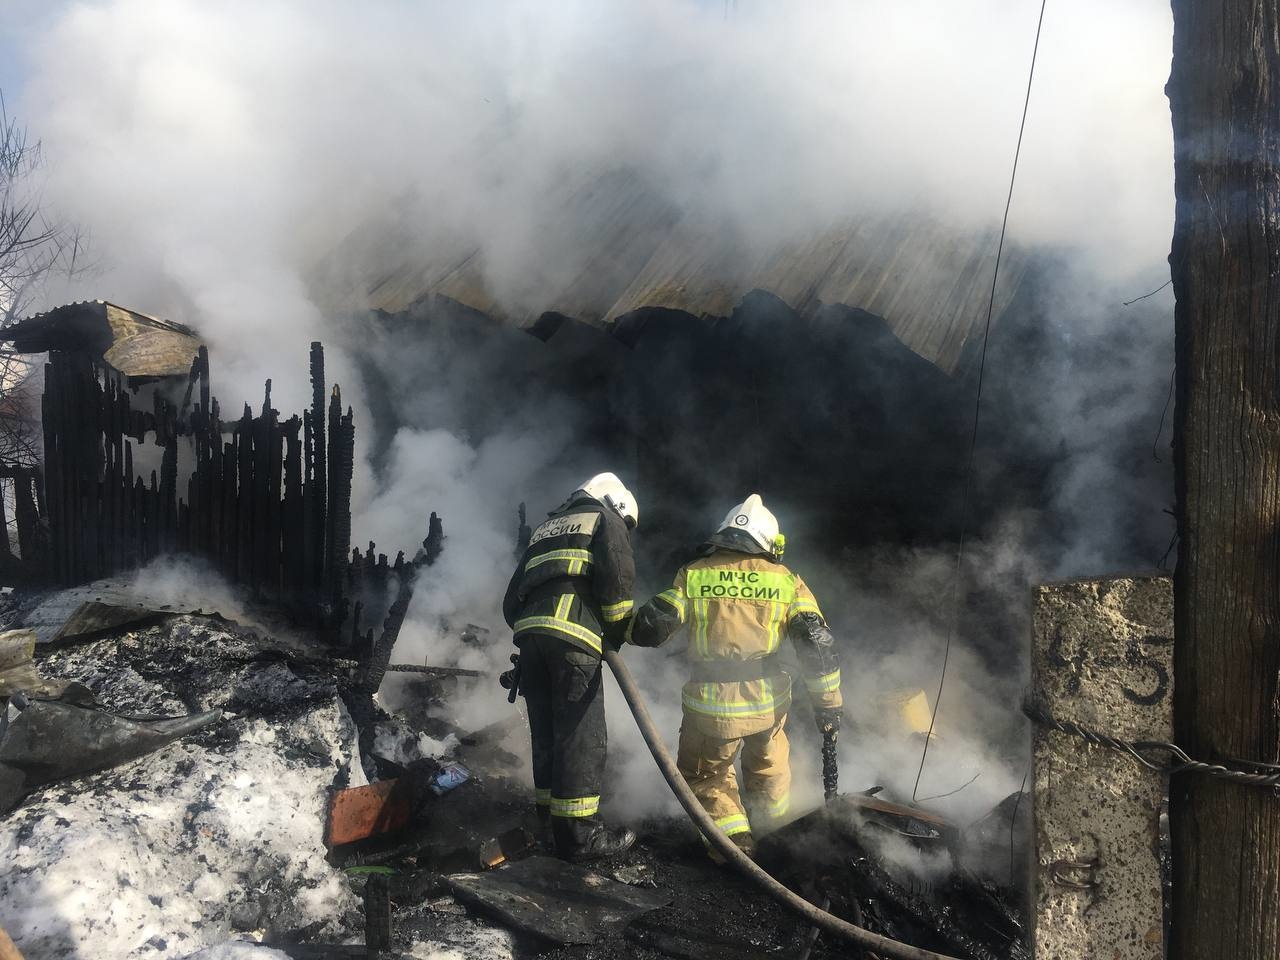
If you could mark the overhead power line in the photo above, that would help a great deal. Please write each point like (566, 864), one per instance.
(977, 411)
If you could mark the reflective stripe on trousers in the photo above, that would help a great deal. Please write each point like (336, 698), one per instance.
(706, 763)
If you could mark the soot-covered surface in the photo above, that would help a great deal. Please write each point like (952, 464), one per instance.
(212, 837)
(697, 412)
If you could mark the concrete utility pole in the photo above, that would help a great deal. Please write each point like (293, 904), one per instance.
(1224, 93)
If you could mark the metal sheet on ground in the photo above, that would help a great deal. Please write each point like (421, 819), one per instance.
(92, 609)
(92, 618)
(555, 900)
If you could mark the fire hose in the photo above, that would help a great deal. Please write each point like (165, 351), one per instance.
(815, 916)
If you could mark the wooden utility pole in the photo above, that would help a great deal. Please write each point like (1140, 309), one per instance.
(1224, 92)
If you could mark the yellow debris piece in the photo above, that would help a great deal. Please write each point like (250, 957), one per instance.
(910, 708)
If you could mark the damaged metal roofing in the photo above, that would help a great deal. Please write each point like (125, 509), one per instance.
(632, 250)
(136, 344)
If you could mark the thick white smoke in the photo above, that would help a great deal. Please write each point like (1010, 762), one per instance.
(219, 154)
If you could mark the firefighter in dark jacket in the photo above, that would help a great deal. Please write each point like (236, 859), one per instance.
(738, 602)
(569, 597)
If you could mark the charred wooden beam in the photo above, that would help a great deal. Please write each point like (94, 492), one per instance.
(168, 506)
(317, 466)
(432, 545)
(275, 514)
(6, 550)
(24, 510)
(230, 501)
(132, 554)
(203, 357)
(380, 656)
(341, 465)
(192, 378)
(293, 516)
(260, 495)
(244, 497)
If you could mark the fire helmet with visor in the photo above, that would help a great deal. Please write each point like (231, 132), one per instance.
(609, 490)
(755, 520)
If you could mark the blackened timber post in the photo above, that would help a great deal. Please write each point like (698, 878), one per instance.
(1223, 90)
(244, 498)
(261, 502)
(275, 507)
(52, 478)
(230, 516)
(203, 357)
(341, 464)
(131, 552)
(169, 491)
(6, 550)
(293, 561)
(24, 510)
(380, 656)
(319, 467)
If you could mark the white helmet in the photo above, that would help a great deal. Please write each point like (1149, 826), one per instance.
(609, 490)
(754, 519)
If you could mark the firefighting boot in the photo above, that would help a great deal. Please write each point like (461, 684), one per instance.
(579, 839)
(743, 841)
(543, 832)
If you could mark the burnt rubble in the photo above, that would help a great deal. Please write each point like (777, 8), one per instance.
(265, 501)
(211, 836)
(281, 808)
(219, 836)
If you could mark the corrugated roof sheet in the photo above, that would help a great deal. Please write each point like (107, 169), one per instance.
(927, 280)
(136, 344)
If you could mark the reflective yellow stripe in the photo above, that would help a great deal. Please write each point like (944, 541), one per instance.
(700, 628)
(542, 797)
(575, 567)
(823, 684)
(575, 806)
(729, 583)
(581, 556)
(566, 628)
(613, 612)
(780, 806)
(734, 823)
(673, 598)
(563, 606)
(803, 605)
(776, 612)
(708, 704)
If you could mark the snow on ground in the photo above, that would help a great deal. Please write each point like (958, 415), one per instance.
(209, 838)
(237, 950)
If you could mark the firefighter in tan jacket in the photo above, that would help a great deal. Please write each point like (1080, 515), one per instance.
(737, 601)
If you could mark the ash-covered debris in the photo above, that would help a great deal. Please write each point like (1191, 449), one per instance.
(209, 838)
(901, 872)
(214, 846)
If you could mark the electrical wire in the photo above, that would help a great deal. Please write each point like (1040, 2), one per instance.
(1263, 775)
(977, 410)
(1151, 294)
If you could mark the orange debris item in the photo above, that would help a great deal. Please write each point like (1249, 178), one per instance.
(361, 812)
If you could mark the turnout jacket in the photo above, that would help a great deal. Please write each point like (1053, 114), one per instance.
(575, 578)
(737, 607)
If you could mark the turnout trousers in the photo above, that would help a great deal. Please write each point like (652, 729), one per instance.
(564, 696)
(706, 762)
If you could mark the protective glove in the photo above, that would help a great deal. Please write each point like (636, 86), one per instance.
(509, 680)
(828, 719)
(613, 643)
(613, 640)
